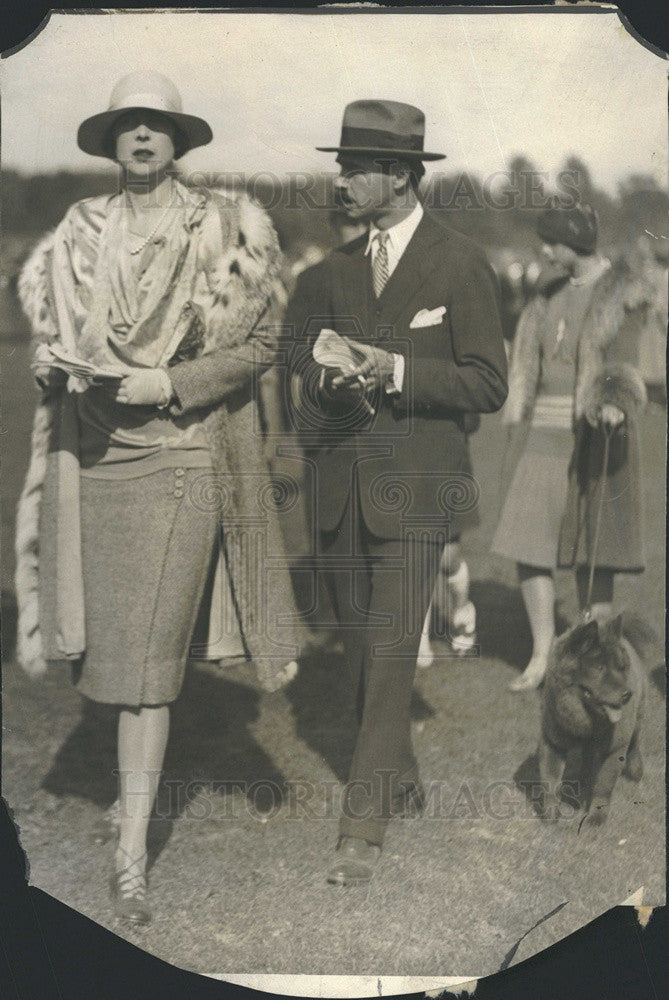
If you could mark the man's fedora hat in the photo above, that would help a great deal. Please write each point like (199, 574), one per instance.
(383, 127)
(144, 90)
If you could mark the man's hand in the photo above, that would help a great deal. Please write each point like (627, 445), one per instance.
(376, 367)
(147, 387)
(337, 385)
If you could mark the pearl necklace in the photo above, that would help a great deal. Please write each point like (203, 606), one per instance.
(145, 242)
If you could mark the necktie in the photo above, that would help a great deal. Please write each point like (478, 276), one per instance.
(380, 272)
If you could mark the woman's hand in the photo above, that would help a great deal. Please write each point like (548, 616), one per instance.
(611, 416)
(146, 387)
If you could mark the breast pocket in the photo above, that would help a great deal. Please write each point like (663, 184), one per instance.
(428, 319)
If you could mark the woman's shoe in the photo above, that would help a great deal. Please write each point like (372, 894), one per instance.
(108, 827)
(129, 893)
(531, 678)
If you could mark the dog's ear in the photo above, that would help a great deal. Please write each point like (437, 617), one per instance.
(614, 627)
(583, 638)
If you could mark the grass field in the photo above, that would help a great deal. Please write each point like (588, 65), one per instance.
(239, 890)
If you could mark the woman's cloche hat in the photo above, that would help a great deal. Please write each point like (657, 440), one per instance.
(574, 227)
(386, 128)
(143, 90)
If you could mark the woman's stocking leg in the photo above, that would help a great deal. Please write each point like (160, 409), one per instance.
(538, 590)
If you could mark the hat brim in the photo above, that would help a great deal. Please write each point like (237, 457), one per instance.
(93, 131)
(406, 154)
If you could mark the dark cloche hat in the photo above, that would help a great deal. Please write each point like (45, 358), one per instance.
(383, 127)
(575, 227)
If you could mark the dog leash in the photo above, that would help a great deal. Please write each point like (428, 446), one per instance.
(587, 611)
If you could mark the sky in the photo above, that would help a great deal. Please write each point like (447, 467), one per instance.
(273, 86)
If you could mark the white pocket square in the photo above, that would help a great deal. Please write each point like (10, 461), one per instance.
(427, 317)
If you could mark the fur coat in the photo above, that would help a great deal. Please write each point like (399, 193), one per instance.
(620, 299)
(216, 373)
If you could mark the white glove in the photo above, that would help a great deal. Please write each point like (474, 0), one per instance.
(146, 387)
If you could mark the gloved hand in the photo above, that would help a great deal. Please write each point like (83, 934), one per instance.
(611, 416)
(145, 387)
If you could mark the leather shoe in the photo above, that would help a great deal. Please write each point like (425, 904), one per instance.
(410, 803)
(356, 861)
(129, 893)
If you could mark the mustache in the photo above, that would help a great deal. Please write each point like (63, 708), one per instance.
(341, 199)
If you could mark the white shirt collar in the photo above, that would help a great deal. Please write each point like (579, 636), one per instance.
(400, 234)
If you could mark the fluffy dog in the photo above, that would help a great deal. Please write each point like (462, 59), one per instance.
(592, 711)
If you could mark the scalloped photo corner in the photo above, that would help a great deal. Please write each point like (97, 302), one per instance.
(334, 498)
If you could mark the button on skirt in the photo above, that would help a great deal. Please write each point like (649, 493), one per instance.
(146, 550)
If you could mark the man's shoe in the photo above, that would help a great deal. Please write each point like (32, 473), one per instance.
(410, 803)
(356, 861)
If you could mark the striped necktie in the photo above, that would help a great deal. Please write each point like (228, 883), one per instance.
(380, 272)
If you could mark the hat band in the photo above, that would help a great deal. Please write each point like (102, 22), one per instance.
(379, 139)
(156, 102)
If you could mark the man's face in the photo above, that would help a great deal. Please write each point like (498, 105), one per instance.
(144, 142)
(362, 188)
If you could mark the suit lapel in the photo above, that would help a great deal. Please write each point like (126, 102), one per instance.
(412, 268)
(355, 283)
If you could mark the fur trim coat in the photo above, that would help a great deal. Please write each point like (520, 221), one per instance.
(619, 299)
(216, 373)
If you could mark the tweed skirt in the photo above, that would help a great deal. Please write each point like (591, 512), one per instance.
(528, 530)
(146, 552)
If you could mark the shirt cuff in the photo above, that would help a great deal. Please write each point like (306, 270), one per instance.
(167, 388)
(396, 380)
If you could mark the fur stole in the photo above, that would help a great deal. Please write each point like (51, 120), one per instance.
(617, 292)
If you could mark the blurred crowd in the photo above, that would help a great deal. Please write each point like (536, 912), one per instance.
(517, 274)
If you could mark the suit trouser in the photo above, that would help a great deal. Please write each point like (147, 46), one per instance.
(380, 590)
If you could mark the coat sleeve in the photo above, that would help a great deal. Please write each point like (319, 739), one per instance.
(218, 375)
(474, 379)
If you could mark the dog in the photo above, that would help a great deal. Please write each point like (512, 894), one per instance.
(592, 710)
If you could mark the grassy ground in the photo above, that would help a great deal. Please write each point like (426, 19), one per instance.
(237, 873)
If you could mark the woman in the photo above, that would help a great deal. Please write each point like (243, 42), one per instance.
(566, 390)
(129, 479)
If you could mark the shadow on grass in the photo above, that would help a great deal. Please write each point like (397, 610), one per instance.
(209, 746)
(502, 625)
(323, 703)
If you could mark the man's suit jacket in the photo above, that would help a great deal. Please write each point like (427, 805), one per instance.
(411, 457)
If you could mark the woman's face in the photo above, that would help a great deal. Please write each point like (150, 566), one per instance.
(144, 143)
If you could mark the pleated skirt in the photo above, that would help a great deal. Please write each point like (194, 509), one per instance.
(146, 551)
(528, 530)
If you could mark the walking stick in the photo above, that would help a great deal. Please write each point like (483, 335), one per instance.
(587, 611)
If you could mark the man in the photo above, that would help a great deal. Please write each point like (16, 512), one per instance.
(419, 307)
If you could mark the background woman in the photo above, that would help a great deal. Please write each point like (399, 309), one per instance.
(566, 388)
(129, 479)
